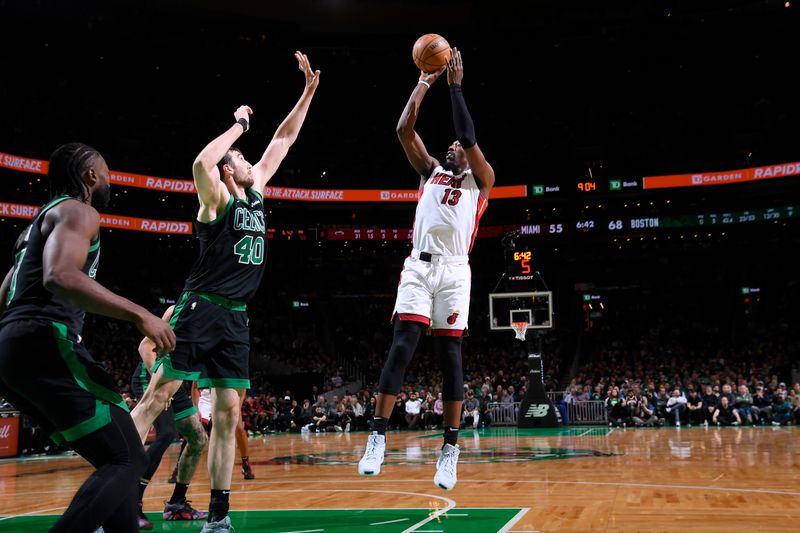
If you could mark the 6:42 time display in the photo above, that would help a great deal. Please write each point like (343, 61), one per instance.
(522, 262)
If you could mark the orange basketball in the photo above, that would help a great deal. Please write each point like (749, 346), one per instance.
(430, 52)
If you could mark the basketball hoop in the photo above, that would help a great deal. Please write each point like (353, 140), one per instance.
(520, 328)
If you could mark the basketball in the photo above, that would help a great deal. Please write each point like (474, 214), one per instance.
(430, 52)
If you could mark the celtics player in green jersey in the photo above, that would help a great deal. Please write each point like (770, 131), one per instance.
(45, 370)
(210, 319)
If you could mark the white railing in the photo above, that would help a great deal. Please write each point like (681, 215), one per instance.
(586, 413)
(577, 413)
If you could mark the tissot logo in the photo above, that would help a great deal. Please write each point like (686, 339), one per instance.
(537, 410)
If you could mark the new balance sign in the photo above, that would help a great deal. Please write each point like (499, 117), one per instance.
(537, 410)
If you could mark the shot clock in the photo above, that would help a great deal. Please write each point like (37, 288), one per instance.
(520, 265)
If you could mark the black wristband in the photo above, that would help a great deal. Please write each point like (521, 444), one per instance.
(244, 123)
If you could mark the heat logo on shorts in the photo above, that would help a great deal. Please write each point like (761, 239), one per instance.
(452, 318)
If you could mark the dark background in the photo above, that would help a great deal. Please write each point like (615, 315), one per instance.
(626, 88)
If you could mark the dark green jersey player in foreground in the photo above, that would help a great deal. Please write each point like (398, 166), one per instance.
(45, 371)
(210, 318)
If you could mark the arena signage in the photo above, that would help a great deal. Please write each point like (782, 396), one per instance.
(722, 178)
(153, 183)
(172, 227)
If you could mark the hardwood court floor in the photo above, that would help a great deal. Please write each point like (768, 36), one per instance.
(570, 479)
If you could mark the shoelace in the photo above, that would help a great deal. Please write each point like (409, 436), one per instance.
(449, 462)
(372, 449)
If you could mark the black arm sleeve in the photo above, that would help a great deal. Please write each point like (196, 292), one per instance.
(465, 130)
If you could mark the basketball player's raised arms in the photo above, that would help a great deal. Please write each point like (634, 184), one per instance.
(211, 190)
(287, 132)
(422, 162)
(481, 169)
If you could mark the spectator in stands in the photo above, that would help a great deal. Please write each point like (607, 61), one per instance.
(660, 400)
(762, 405)
(358, 413)
(318, 420)
(581, 394)
(727, 392)
(321, 402)
(711, 401)
(283, 419)
(725, 414)
(397, 419)
(570, 395)
(332, 409)
(744, 404)
(695, 409)
(486, 393)
(794, 399)
(486, 411)
(427, 411)
(369, 411)
(617, 413)
(631, 403)
(298, 412)
(781, 409)
(644, 412)
(471, 410)
(597, 395)
(438, 411)
(506, 397)
(676, 406)
(336, 380)
(344, 415)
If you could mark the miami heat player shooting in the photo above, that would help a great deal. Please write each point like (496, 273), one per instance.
(435, 282)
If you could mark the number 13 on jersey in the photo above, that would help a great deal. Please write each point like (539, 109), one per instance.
(451, 196)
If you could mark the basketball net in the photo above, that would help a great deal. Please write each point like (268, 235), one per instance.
(520, 328)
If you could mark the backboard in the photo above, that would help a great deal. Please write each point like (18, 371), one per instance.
(535, 308)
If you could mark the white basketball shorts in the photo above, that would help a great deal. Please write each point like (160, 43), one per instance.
(435, 292)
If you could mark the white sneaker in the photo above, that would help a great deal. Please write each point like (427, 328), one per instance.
(677, 424)
(445, 477)
(223, 526)
(370, 464)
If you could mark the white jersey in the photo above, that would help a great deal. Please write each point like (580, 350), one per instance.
(448, 212)
(204, 404)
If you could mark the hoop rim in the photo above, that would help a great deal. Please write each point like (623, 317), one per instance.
(520, 329)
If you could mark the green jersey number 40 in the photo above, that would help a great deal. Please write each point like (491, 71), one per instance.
(250, 250)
